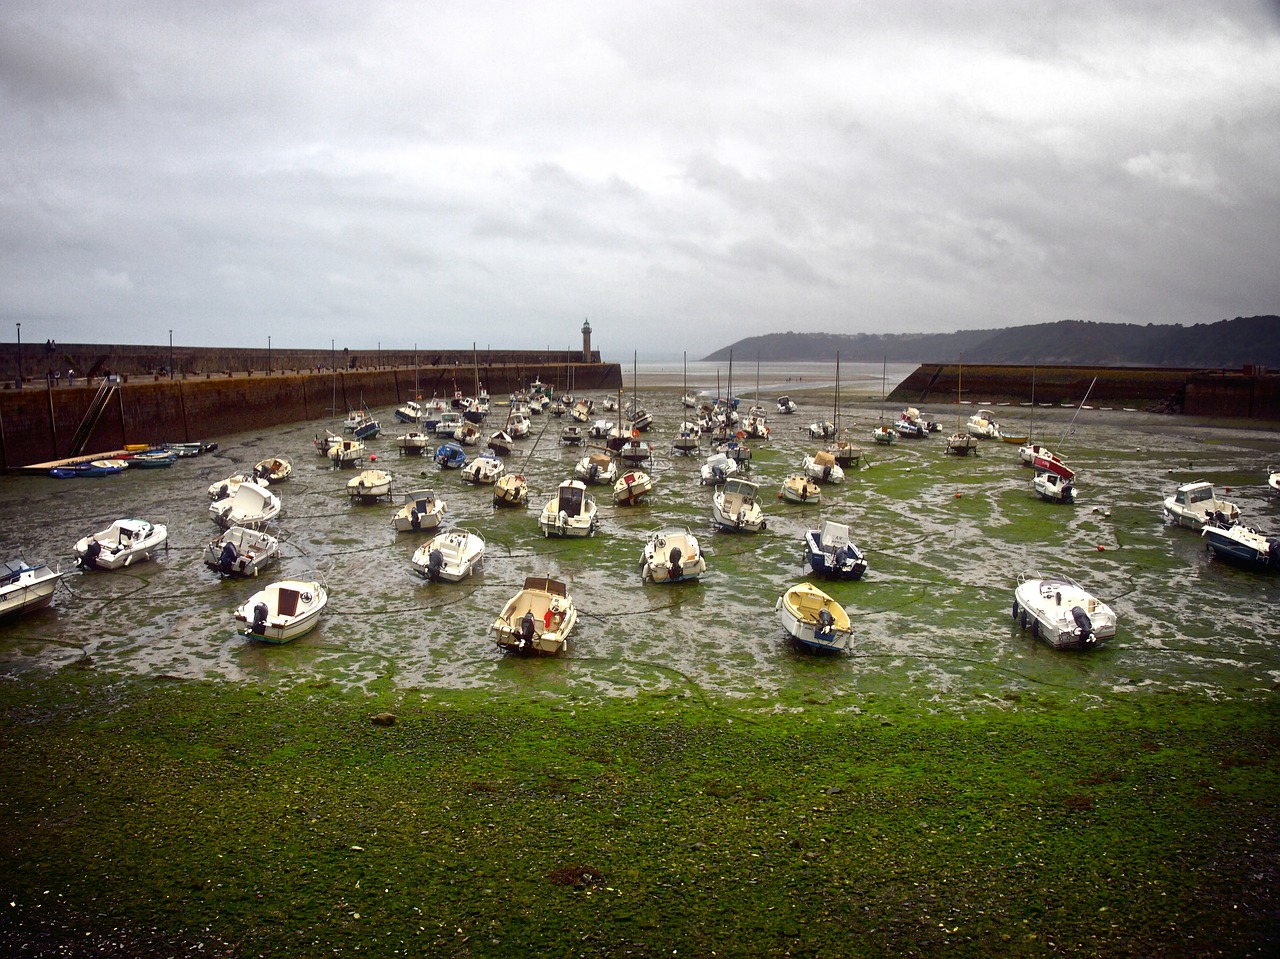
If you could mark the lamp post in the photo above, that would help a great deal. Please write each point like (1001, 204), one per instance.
(268, 354)
(19, 356)
(379, 354)
(171, 354)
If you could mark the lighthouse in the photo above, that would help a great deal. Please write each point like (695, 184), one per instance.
(586, 341)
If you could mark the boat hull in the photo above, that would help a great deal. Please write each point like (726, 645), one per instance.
(27, 588)
(799, 610)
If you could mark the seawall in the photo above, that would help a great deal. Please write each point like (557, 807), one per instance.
(1250, 393)
(39, 421)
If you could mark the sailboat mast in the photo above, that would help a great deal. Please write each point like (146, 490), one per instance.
(835, 406)
(1071, 427)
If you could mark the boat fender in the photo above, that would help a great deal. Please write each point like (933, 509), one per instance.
(227, 560)
(825, 622)
(1084, 625)
(593, 474)
(435, 561)
(1015, 609)
(562, 520)
(826, 472)
(260, 617)
(673, 558)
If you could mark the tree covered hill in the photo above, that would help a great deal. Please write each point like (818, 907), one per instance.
(1226, 344)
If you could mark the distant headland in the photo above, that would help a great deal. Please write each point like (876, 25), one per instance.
(1227, 344)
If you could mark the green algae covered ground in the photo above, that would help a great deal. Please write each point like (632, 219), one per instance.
(146, 817)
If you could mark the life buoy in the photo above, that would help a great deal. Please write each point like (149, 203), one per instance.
(306, 597)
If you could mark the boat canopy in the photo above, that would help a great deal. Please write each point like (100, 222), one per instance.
(544, 584)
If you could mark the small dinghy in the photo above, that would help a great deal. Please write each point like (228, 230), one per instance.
(451, 456)
(538, 619)
(24, 587)
(251, 505)
(225, 488)
(822, 466)
(153, 459)
(369, 486)
(241, 552)
(596, 468)
(1241, 544)
(718, 468)
(1054, 488)
(962, 444)
(413, 443)
(485, 469)
(283, 611)
(631, 487)
(1061, 611)
(276, 469)
(672, 555)
(123, 543)
(572, 512)
(735, 507)
(511, 490)
(814, 619)
(830, 552)
(501, 443)
(885, 435)
(420, 509)
(346, 454)
(450, 556)
(572, 435)
(799, 488)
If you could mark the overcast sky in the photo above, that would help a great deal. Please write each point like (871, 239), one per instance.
(683, 174)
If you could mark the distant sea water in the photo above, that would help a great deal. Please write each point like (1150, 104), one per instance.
(774, 378)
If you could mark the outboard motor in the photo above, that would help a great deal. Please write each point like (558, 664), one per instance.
(674, 558)
(435, 562)
(227, 559)
(415, 520)
(260, 618)
(593, 474)
(91, 553)
(1084, 625)
(826, 472)
(1273, 551)
(825, 622)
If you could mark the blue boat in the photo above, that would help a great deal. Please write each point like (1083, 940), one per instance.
(367, 428)
(1241, 544)
(88, 470)
(831, 553)
(451, 456)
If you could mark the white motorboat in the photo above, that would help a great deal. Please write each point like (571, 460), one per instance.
(449, 423)
(326, 441)
(501, 442)
(370, 485)
(786, 405)
(1241, 544)
(1194, 504)
(274, 469)
(689, 400)
(814, 619)
(538, 619)
(467, 435)
(983, 425)
(511, 490)
(420, 509)
(688, 440)
(485, 469)
(846, 454)
(241, 551)
(755, 425)
(822, 430)
(831, 552)
(413, 443)
(799, 488)
(962, 444)
(224, 488)
(346, 453)
(596, 468)
(24, 587)
(718, 468)
(251, 505)
(1273, 479)
(735, 506)
(1054, 488)
(283, 611)
(518, 425)
(572, 512)
(822, 466)
(1061, 611)
(572, 435)
(610, 405)
(410, 412)
(672, 555)
(581, 411)
(123, 543)
(451, 556)
(631, 487)
(600, 430)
